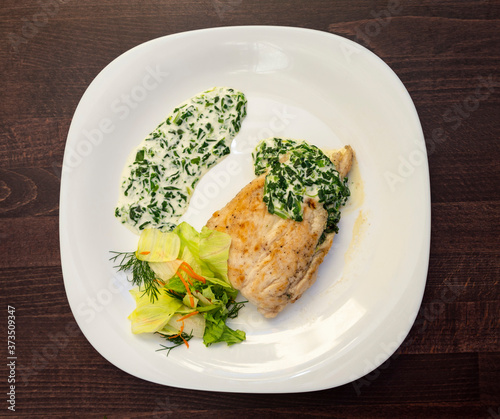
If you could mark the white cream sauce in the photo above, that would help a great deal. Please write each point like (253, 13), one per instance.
(162, 172)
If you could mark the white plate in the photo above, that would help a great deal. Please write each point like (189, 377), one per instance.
(300, 84)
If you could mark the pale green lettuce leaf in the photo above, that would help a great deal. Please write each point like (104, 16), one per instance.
(189, 237)
(165, 270)
(206, 252)
(194, 325)
(214, 251)
(156, 246)
(150, 317)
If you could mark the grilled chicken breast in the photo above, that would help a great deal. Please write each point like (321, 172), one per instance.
(273, 261)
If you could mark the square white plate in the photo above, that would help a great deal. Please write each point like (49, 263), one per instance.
(300, 84)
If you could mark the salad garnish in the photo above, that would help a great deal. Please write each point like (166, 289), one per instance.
(182, 289)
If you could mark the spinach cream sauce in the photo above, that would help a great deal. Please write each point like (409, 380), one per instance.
(163, 171)
(297, 171)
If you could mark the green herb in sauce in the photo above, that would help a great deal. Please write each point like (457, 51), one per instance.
(296, 171)
(164, 170)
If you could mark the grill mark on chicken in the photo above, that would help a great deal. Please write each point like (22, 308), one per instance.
(273, 261)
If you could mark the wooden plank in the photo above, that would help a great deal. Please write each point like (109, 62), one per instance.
(489, 371)
(34, 291)
(29, 241)
(37, 142)
(456, 327)
(449, 381)
(425, 36)
(463, 277)
(26, 192)
(465, 227)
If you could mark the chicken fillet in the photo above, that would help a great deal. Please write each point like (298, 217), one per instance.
(273, 261)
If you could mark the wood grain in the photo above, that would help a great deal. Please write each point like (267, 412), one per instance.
(446, 53)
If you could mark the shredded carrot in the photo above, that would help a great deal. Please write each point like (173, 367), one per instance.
(189, 270)
(191, 299)
(185, 341)
(187, 316)
(180, 335)
(180, 332)
(184, 267)
(145, 253)
(189, 280)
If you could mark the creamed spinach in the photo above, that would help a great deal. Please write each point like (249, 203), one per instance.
(296, 171)
(163, 171)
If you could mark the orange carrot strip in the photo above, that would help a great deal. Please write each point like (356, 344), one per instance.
(179, 273)
(180, 332)
(189, 270)
(144, 253)
(180, 319)
(191, 299)
(180, 335)
(193, 273)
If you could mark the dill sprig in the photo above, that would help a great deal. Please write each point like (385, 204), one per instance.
(142, 274)
(174, 294)
(235, 308)
(176, 341)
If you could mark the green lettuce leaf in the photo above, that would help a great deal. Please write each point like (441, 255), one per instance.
(214, 252)
(193, 325)
(150, 317)
(206, 252)
(216, 330)
(156, 246)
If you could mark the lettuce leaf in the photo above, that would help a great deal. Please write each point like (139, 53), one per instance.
(156, 246)
(216, 330)
(150, 317)
(193, 325)
(206, 252)
(214, 252)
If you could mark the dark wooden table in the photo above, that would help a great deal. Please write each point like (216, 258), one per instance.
(447, 53)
